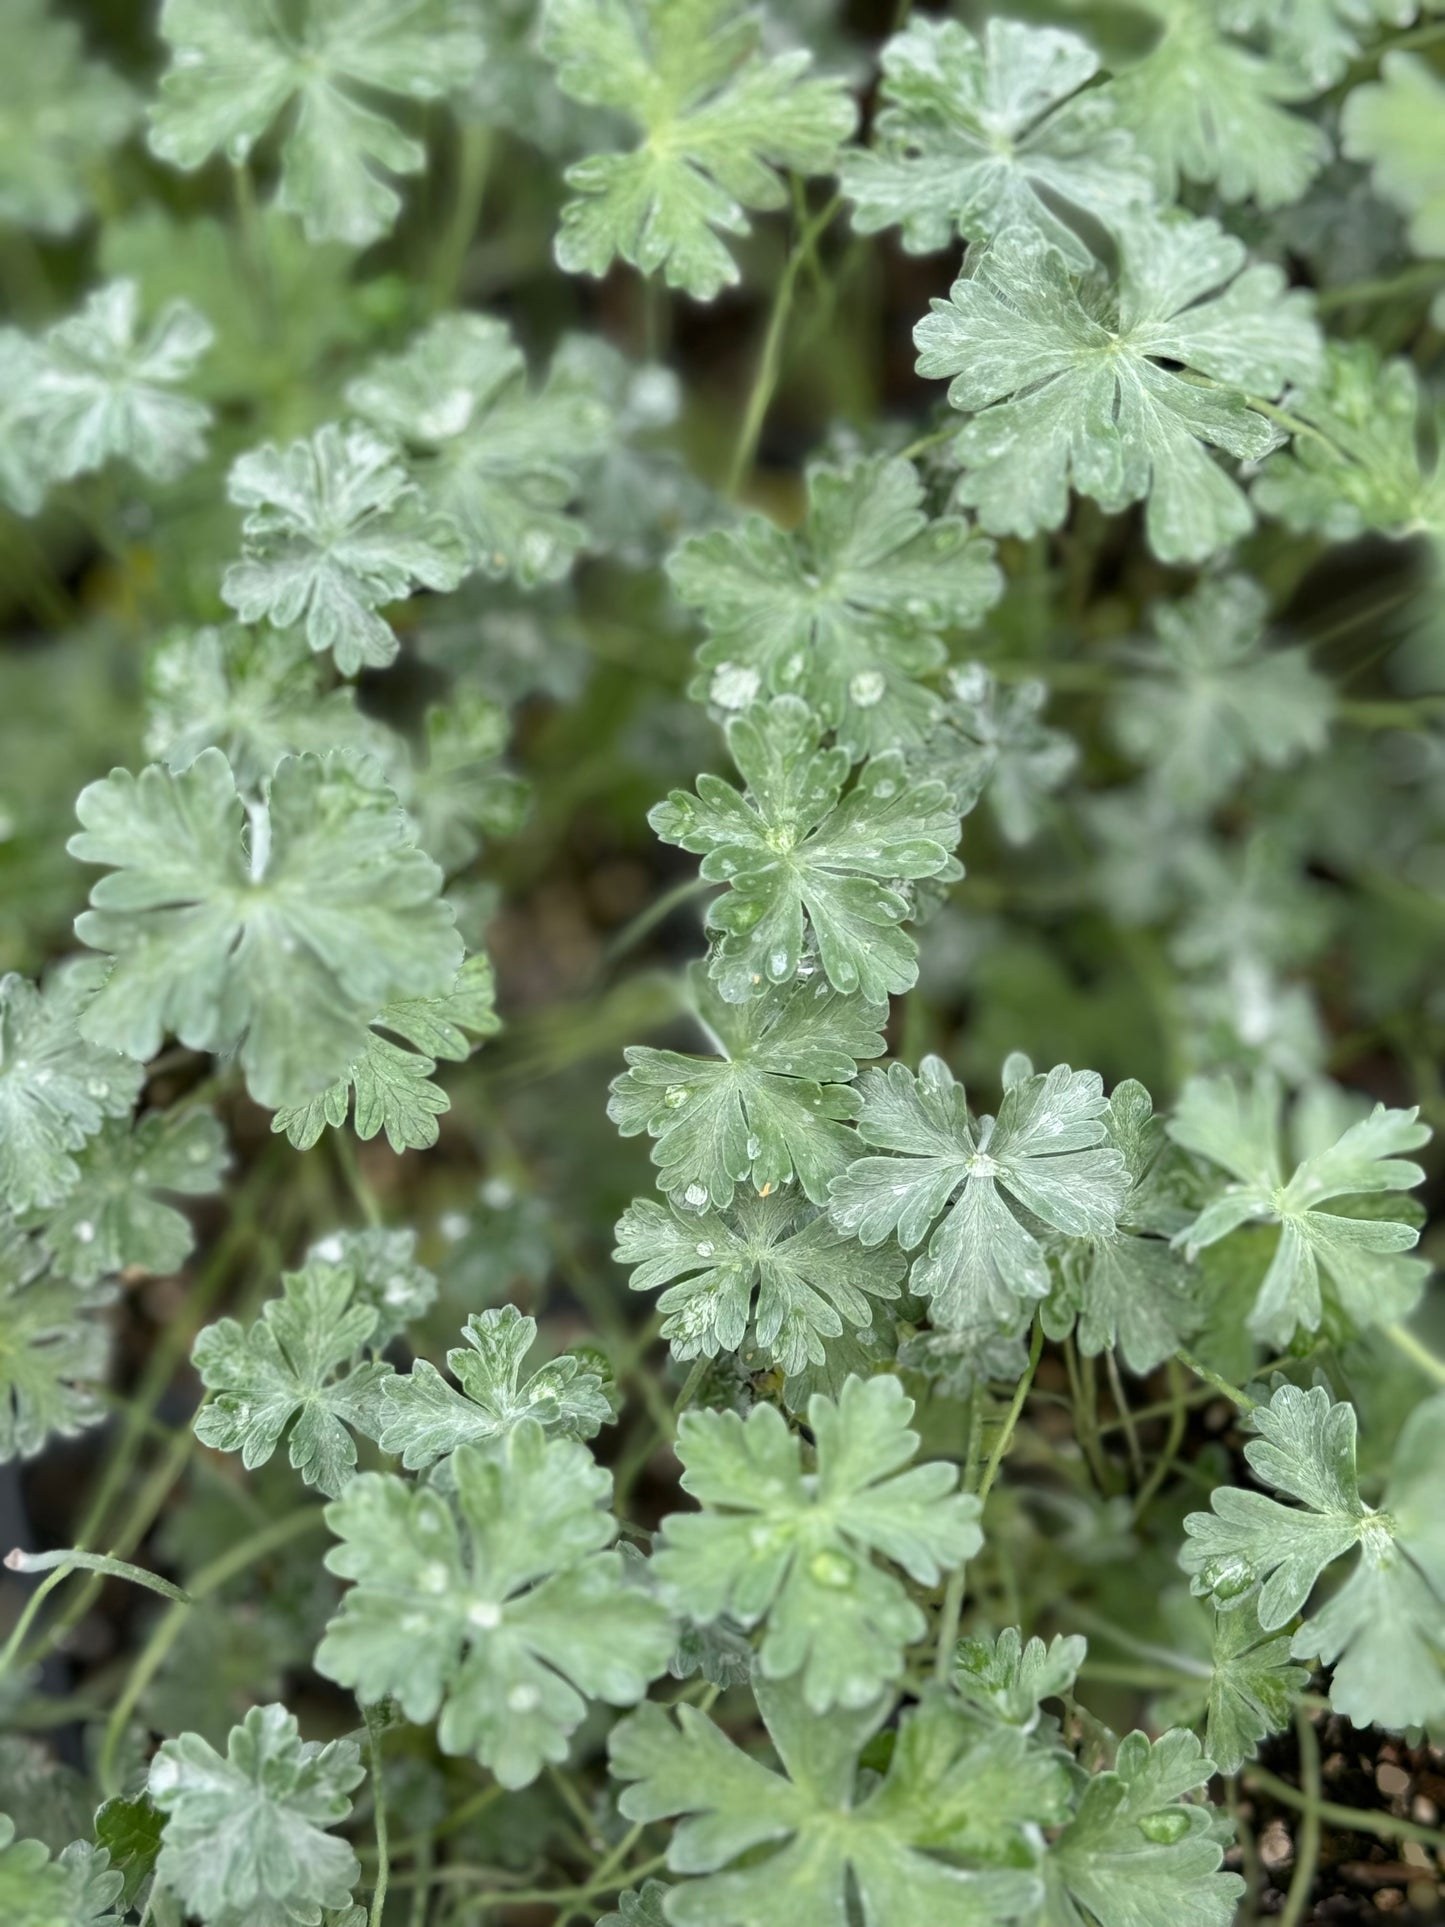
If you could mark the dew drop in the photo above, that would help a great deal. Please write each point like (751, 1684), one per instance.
(1166, 1827)
(867, 688)
(674, 1095)
(833, 1569)
(696, 1196)
(706, 1248)
(734, 685)
(485, 1615)
(85, 1232)
(1229, 1578)
(524, 1699)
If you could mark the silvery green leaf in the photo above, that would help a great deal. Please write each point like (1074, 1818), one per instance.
(798, 1553)
(982, 135)
(459, 793)
(847, 611)
(424, 1419)
(1136, 1851)
(392, 1082)
(1241, 1680)
(1118, 389)
(1381, 1628)
(1128, 1287)
(1010, 1680)
(54, 1343)
(257, 696)
(94, 388)
(947, 1834)
(1364, 467)
(112, 1219)
(60, 115)
(1322, 1208)
(1319, 37)
(1211, 700)
(496, 457)
(277, 931)
(990, 740)
(770, 1107)
(334, 531)
(1394, 125)
(770, 1264)
(981, 1184)
(56, 1088)
(1207, 107)
(719, 122)
(495, 1608)
(296, 1369)
(388, 1277)
(76, 1889)
(801, 857)
(238, 65)
(247, 1841)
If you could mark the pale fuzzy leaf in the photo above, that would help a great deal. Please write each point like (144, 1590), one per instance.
(720, 123)
(56, 1088)
(235, 68)
(60, 115)
(1206, 107)
(424, 1419)
(981, 136)
(1047, 1152)
(801, 856)
(497, 1609)
(1394, 124)
(771, 1107)
(278, 932)
(847, 611)
(247, 1835)
(496, 457)
(113, 1218)
(772, 1545)
(298, 1368)
(93, 389)
(257, 697)
(944, 1836)
(334, 531)
(1067, 383)
(54, 1344)
(1136, 1854)
(991, 741)
(770, 1263)
(392, 1083)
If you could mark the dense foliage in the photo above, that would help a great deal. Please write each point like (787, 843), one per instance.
(870, 575)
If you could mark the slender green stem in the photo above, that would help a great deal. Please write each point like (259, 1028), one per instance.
(374, 1729)
(689, 1386)
(350, 1166)
(280, 1532)
(952, 1609)
(474, 164)
(253, 244)
(28, 1615)
(1307, 1836)
(1178, 1419)
(765, 381)
(1221, 1385)
(1354, 1819)
(1405, 1341)
(1011, 1417)
(103, 1563)
(658, 911)
(925, 442)
(1421, 275)
(1131, 1433)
